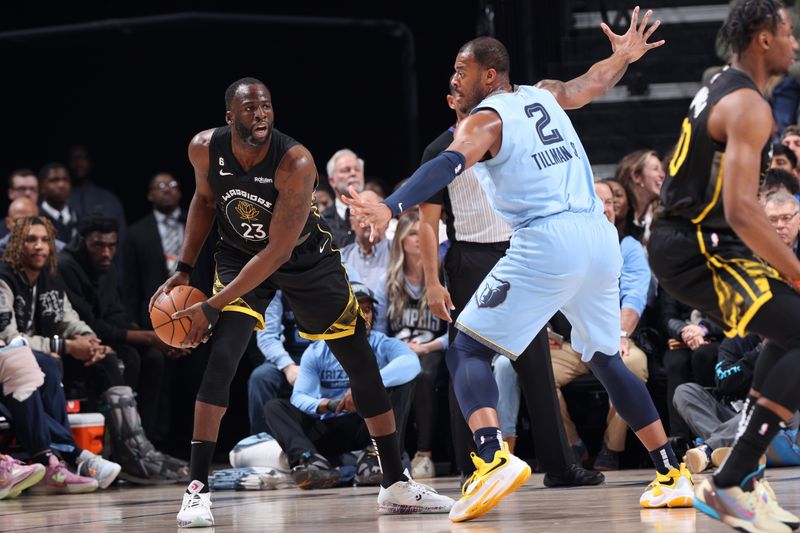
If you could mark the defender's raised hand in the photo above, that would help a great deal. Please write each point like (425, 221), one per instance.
(633, 44)
(374, 215)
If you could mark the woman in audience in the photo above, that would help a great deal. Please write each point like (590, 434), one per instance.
(411, 321)
(641, 174)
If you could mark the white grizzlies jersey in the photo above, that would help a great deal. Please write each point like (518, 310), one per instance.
(541, 168)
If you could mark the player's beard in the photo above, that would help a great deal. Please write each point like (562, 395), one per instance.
(246, 134)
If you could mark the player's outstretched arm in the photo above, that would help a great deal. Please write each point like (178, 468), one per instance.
(604, 75)
(746, 119)
(475, 136)
(201, 213)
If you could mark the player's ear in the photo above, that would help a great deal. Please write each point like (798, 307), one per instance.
(451, 102)
(764, 39)
(228, 117)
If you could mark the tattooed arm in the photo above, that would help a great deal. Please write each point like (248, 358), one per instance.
(603, 75)
(295, 180)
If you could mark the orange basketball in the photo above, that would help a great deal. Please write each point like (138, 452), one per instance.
(173, 332)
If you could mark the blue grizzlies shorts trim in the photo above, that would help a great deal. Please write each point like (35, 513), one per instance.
(569, 262)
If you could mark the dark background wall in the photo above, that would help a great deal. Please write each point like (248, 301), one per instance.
(137, 91)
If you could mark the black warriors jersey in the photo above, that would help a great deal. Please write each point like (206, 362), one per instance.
(245, 199)
(692, 189)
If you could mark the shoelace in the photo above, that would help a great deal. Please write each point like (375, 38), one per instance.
(195, 501)
(420, 489)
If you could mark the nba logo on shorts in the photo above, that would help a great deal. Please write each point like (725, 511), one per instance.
(493, 292)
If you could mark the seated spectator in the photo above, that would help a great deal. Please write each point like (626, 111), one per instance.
(782, 212)
(87, 197)
(34, 305)
(22, 183)
(32, 391)
(368, 261)
(91, 283)
(776, 179)
(410, 320)
(344, 169)
(784, 159)
(323, 199)
(791, 139)
(282, 346)
(20, 208)
(693, 341)
(55, 188)
(621, 207)
(321, 422)
(567, 364)
(642, 175)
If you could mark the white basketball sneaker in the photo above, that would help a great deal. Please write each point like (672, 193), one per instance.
(196, 508)
(408, 497)
(673, 489)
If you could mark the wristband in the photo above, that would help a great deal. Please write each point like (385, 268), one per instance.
(58, 345)
(212, 315)
(183, 267)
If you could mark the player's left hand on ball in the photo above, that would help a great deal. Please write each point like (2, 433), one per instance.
(374, 215)
(199, 325)
(633, 44)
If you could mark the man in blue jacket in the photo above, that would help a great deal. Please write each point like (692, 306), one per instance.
(320, 420)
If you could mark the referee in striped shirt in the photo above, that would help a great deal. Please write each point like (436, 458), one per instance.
(478, 239)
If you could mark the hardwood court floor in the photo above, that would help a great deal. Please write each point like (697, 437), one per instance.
(612, 507)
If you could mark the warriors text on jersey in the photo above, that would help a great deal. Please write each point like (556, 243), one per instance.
(245, 199)
(693, 187)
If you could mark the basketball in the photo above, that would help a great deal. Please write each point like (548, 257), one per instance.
(173, 332)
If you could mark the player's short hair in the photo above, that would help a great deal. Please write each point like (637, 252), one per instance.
(230, 92)
(19, 173)
(747, 18)
(45, 170)
(777, 178)
(99, 223)
(331, 165)
(489, 53)
(788, 153)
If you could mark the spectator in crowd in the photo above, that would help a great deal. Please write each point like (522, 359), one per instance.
(282, 346)
(376, 185)
(712, 416)
(776, 179)
(323, 198)
(344, 169)
(791, 139)
(91, 283)
(20, 208)
(145, 268)
(321, 422)
(31, 389)
(411, 321)
(621, 205)
(87, 197)
(368, 261)
(34, 303)
(55, 188)
(784, 159)
(567, 364)
(21, 183)
(693, 341)
(641, 174)
(782, 212)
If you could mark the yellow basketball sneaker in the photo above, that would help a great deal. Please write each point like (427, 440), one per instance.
(490, 483)
(673, 489)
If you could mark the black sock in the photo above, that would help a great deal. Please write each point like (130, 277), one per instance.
(748, 449)
(488, 440)
(200, 461)
(664, 459)
(388, 448)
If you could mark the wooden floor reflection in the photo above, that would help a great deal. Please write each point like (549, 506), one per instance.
(612, 507)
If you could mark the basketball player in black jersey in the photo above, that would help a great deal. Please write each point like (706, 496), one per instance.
(258, 184)
(713, 248)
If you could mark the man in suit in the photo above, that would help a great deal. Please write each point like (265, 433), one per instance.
(147, 264)
(55, 189)
(344, 169)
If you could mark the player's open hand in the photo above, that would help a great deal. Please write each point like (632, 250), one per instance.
(374, 215)
(633, 44)
(439, 301)
(178, 278)
(199, 330)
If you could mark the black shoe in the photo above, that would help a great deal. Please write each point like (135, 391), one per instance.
(573, 476)
(315, 472)
(368, 469)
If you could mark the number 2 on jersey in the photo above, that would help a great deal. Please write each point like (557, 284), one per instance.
(253, 231)
(547, 138)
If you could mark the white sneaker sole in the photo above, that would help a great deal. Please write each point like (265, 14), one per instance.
(494, 488)
(197, 521)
